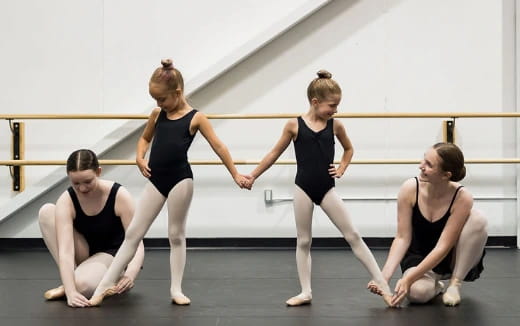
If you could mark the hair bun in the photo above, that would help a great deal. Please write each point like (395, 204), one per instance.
(324, 74)
(167, 64)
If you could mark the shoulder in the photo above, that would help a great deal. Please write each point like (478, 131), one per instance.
(64, 198)
(464, 197)
(292, 124)
(338, 126)
(155, 112)
(124, 203)
(198, 115)
(407, 190)
(65, 204)
(123, 196)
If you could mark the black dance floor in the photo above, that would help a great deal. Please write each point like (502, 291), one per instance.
(249, 287)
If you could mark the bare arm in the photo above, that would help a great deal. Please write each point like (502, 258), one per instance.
(403, 237)
(202, 123)
(289, 132)
(144, 143)
(64, 234)
(348, 150)
(124, 208)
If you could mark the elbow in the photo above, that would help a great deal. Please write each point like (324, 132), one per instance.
(403, 240)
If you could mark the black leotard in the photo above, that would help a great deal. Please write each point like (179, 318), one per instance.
(104, 232)
(314, 154)
(169, 152)
(425, 236)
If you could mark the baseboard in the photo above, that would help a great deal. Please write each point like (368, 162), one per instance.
(239, 243)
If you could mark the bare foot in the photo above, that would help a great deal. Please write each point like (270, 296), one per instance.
(95, 301)
(181, 300)
(55, 293)
(299, 300)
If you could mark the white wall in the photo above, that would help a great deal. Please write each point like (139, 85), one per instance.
(388, 56)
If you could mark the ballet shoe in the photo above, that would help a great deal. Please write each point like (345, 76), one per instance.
(387, 297)
(181, 300)
(451, 297)
(298, 301)
(440, 287)
(55, 293)
(95, 301)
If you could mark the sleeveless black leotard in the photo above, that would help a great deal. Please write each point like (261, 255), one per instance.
(425, 235)
(169, 152)
(104, 232)
(314, 154)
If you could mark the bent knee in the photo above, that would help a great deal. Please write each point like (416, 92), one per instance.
(477, 221)
(46, 213)
(85, 286)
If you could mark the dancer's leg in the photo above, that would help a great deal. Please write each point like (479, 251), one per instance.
(468, 252)
(90, 272)
(178, 203)
(303, 208)
(47, 223)
(146, 211)
(334, 207)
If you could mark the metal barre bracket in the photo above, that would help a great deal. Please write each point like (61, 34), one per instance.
(18, 153)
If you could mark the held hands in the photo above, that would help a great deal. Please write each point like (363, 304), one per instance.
(249, 182)
(145, 170)
(335, 173)
(244, 181)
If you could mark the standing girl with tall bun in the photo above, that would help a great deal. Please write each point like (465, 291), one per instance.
(313, 135)
(170, 130)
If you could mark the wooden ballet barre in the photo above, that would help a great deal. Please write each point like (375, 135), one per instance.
(273, 116)
(255, 162)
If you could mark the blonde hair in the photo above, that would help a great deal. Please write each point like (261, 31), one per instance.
(168, 75)
(323, 86)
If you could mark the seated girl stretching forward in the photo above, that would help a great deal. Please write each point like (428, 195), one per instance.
(84, 230)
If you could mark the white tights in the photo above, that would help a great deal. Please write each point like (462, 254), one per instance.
(148, 207)
(333, 206)
(468, 251)
(89, 270)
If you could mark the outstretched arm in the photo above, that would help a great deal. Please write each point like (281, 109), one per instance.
(403, 236)
(65, 238)
(289, 133)
(124, 208)
(202, 123)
